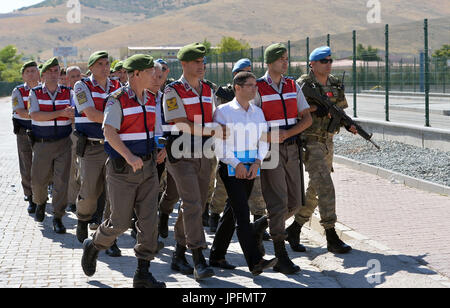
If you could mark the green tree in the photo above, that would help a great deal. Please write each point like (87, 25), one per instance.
(230, 44)
(443, 53)
(369, 54)
(10, 64)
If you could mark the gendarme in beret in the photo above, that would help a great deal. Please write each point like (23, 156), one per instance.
(97, 56)
(274, 52)
(320, 53)
(241, 64)
(191, 52)
(118, 66)
(50, 63)
(27, 65)
(138, 62)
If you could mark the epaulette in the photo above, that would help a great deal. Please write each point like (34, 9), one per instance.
(172, 84)
(117, 94)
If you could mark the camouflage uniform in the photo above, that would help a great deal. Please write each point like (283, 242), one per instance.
(318, 156)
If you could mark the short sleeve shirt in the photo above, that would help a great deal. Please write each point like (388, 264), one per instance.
(302, 104)
(176, 110)
(113, 111)
(83, 97)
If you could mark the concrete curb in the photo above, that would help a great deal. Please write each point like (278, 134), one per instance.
(395, 177)
(347, 234)
(425, 137)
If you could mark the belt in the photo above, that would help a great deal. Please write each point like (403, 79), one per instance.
(318, 139)
(95, 142)
(147, 157)
(44, 140)
(290, 141)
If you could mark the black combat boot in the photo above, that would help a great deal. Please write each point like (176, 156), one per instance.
(293, 237)
(213, 222)
(179, 262)
(143, 279)
(259, 228)
(31, 205)
(284, 264)
(163, 226)
(40, 213)
(263, 265)
(114, 250)
(201, 269)
(58, 226)
(334, 244)
(89, 258)
(266, 235)
(82, 230)
(205, 216)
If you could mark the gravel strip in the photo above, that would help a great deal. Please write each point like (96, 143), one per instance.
(426, 164)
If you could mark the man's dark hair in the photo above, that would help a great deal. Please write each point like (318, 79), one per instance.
(63, 72)
(241, 78)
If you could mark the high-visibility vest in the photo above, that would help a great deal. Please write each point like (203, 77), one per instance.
(54, 129)
(137, 130)
(280, 110)
(82, 123)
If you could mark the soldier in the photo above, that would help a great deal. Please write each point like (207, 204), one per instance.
(318, 157)
(283, 103)
(90, 98)
(189, 103)
(63, 78)
(120, 73)
(22, 123)
(132, 178)
(51, 113)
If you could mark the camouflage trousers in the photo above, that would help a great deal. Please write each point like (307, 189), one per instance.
(217, 194)
(318, 160)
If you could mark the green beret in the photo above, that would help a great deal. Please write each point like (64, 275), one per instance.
(274, 52)
(50, 63)
(27, 65)
(191, 52)
(118, 66)
(138, 62)
(97, 56)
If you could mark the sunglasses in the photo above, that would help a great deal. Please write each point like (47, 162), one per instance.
(325, 61)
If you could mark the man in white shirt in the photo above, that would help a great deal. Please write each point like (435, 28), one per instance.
(240, 157)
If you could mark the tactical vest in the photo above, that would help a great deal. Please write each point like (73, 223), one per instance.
(280, 110)
(82, 123)
(58, 128)
(137, 130)
(25, 123)
(335, 92)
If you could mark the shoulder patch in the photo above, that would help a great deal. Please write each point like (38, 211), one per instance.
(15, 101)
(81, 97)
(172, 104)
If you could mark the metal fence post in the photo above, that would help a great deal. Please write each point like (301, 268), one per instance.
(427, 75)
(289, 57)
(354, 77)
(307, 55)
(328, 40)
(387, 81)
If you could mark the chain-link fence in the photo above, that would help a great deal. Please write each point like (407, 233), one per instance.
(362, 55)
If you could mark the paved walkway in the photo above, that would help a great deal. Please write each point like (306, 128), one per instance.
(410, 222)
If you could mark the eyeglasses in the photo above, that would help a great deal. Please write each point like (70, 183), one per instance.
(325, 61)
(164, 69)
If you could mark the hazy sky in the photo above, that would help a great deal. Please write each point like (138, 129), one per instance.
(8, 6)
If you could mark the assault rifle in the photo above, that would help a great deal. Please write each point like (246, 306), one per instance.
(338, 116)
